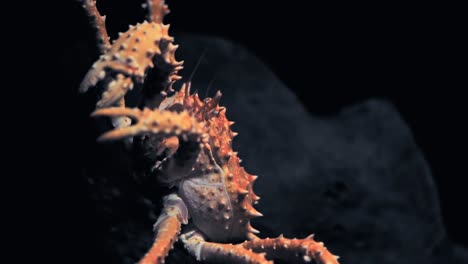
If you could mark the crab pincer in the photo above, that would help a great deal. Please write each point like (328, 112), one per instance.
(152, 121)
(136, 51)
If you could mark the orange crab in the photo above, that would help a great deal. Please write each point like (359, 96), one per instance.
(187, 143)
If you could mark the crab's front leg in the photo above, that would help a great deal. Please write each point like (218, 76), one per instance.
(220, 253)
(104, 45)
(99, 23)
(143, 49)
(112, 96)
(292, 249)
(157, 122)
(167, 229)
(157, 9)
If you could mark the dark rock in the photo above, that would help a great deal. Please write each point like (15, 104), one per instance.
(357, 180)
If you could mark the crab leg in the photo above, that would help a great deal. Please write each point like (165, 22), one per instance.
(287, 249)
(167, 229)
(155, 122)
(220, 253)
(157, 10)
(99, 22)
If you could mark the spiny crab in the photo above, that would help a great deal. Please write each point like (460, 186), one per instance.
(186, 144)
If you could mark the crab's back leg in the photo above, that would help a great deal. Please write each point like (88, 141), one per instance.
(167, 229)
(220, 253)
(157, 9)
(293, 249)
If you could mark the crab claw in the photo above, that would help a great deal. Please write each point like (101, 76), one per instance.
(121, 133)
(133, 113)
(124, 132)
(153, 121)
(115, 90)
(115, 87)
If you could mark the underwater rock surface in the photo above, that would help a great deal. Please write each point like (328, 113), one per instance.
(357, 179)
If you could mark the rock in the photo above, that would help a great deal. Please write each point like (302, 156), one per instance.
(357, 180)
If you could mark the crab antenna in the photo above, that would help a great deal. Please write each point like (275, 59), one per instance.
(196, 66)
(210, 84)
(157, 9)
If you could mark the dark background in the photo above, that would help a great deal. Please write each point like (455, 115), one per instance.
(333, 55)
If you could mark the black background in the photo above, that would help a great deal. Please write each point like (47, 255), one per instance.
(333, 55)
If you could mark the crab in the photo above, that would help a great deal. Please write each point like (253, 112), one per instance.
(185, 142)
